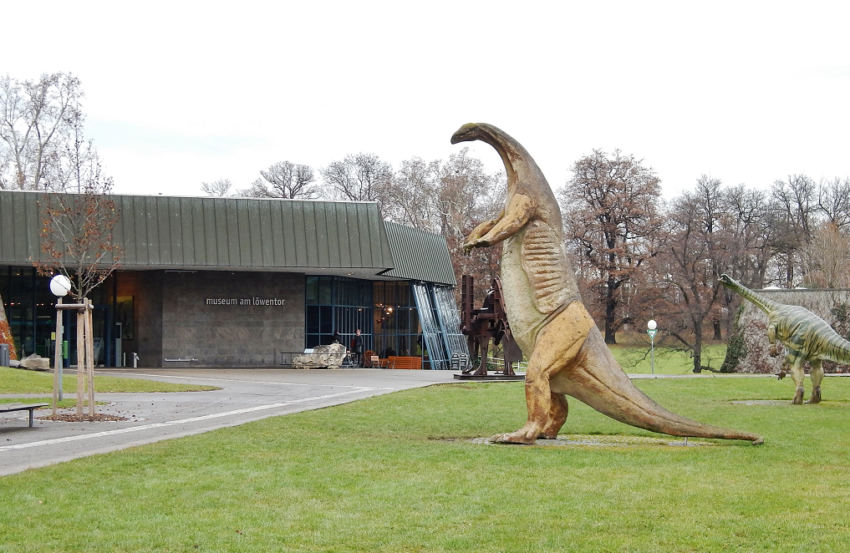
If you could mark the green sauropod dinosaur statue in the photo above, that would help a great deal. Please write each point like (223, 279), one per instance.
(567, 355)
(806, 337)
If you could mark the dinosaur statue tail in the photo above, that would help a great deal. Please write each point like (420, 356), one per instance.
(597, 380)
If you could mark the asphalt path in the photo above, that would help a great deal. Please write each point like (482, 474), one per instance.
(246, 395)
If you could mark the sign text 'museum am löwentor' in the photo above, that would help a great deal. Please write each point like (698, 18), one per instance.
(256, 300)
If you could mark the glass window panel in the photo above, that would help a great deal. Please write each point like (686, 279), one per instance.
(325, 291)
(312, 290)
(313, 319)
(327, 325)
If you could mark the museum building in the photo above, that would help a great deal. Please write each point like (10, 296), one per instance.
(241, 282)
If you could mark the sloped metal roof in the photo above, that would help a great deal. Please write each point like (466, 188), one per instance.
(244, 234)
(162, 232)
(419, 255)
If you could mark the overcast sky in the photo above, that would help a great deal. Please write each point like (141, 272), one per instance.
(183, 92)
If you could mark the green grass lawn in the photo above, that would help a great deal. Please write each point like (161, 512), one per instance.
(397, 473)
(17, 381)
(637, 359)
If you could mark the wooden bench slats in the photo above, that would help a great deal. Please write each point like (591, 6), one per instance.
(409, 363)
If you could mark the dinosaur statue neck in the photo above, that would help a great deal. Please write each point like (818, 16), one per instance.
(523, 173)
(761, 302)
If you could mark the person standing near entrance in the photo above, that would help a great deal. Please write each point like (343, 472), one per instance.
(357, 348)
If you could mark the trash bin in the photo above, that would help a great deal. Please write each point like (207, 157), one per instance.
(4, 355)
(459, 362)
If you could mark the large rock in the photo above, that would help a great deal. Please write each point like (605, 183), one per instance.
(36, 363)
(329, 357)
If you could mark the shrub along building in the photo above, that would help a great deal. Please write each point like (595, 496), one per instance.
(225, 282)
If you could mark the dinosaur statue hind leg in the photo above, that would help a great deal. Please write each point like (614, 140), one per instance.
(817, 378)
(798, 375)
(557, 416)
(557, 347)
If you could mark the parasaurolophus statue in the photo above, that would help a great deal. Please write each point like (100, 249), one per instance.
(806, 337)
(567, 355)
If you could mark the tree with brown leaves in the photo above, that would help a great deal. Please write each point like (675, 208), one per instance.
(77, 241)
(610, 209)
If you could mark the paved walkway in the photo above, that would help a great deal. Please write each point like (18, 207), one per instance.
(246, 395)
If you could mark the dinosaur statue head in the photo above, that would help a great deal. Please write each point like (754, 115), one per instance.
(467, 133)
(726, 279)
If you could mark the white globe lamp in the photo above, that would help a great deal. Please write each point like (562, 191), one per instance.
(651, 325)
(60, 285)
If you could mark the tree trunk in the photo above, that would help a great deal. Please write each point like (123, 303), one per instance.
(610, 313)
(6, 331)
(717, 335)
(698, 347)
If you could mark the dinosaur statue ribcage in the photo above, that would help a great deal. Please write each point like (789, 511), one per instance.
(545, 264)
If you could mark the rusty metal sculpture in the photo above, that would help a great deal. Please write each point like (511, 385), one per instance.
(486, 324)
(567, 355)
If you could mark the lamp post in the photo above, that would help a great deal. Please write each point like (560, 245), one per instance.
(651, 329)
(60, 285)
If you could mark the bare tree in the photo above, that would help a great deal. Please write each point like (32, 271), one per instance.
(690, 262)
(36, 117)
(77, 224)
(217, 188)
(449, 198)
(828, 257)
(410, 197)
(359, 177)
(794, 214)
(834, 201)
(610, 209)
(77, 241)
(284, 180)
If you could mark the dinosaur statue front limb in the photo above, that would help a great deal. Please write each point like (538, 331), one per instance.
(484, 227)
(771, 338)
(817, 378)
(514, 217)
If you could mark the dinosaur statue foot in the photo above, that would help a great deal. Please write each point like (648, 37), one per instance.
(798, 397)
(815, 395)
(525, 435)
(759, 441)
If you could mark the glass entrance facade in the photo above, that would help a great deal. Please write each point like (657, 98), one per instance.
(31, 311)
(395, 318)
(337, 304)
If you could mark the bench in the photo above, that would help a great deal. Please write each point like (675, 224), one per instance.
(410, 363)
(9, 407)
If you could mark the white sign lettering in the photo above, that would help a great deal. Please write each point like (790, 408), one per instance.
(256, 300)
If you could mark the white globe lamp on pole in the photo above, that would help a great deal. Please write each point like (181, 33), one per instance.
(651, 329)
(60, 285)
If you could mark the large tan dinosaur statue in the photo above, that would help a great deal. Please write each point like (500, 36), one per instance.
(567, 355)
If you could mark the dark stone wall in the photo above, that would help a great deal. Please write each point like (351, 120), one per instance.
(241, 334)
